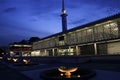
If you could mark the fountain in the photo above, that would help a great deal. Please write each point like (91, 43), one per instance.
(23, 62)
(72, 73)
(67, 71)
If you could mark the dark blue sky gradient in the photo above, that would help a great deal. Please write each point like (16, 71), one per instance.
(22, 19)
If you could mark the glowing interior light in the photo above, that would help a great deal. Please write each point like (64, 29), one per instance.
(64, 11)
(12, 53)
(78, 76)
(61, 74)
(1, 57)
(115, 29)
(15, 60)
(113, 24)
(26, 61)
(8, 59)
(89, 30)
(107, 25)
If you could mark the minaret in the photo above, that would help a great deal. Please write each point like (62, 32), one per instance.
(64, 20)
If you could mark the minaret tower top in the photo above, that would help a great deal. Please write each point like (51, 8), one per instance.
(63, 7)
(63, 15)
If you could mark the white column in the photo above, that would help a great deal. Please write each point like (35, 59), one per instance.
(40, 53)
(77, 53)
(45, 53)
(95, 48)
(58, 52)
(69, 49)
(53, 51)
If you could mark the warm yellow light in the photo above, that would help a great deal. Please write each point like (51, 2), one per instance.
(89, 30)
(15, 60)
(115, 29)
(26, 61)
(8, 59)
(67, 71)
(61, 74)
(78, 76)
(1, 57)
(12, 53)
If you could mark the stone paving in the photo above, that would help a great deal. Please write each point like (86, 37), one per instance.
(7, 73)
(104, 71)
(101, 74)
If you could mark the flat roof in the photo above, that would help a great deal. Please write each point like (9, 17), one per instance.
(85, 25)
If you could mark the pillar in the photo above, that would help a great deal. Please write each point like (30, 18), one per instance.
(53, 51)
(77, 52)
(69, 50)
(45, 53)
(39, 53)
(95, 48)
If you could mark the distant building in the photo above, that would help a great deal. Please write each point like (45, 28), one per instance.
(101, 37)
(20, 49)
(2, 52)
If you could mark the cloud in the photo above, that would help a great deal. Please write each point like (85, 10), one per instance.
(98, 4)
(80, 21)
(8, 10)
(3, 1)
(32, 17)
(10, 33)
(41, 7)
(21, 31)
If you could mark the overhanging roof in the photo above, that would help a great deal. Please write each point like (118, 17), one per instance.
(85, 25)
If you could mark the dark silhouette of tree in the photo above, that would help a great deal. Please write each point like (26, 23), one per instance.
(23, 42)
(30, 41)
(33, 39)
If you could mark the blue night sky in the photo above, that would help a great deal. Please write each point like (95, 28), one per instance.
(22, 19)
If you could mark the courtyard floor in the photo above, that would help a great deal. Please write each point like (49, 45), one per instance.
(110, 71)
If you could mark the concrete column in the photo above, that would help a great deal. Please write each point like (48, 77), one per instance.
(77, 53)
(53, 51)
(69, 49)
(95, 48)
(58, 52)
(40, 53)
(45, 53)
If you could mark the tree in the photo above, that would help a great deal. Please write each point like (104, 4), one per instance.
(33, 39)
(23, 42)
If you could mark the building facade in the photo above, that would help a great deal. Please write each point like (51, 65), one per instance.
(20, 49)
(96, 38)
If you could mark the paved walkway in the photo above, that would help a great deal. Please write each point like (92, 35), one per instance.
(106, 75)
(100, 74)
(7, 73)
(103, 71)
(36, 73)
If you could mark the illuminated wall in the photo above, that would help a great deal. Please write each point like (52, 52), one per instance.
(104, 31)
(20, 49)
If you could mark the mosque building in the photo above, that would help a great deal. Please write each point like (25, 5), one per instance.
(101, 37)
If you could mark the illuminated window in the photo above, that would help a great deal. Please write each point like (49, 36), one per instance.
(61, 43)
